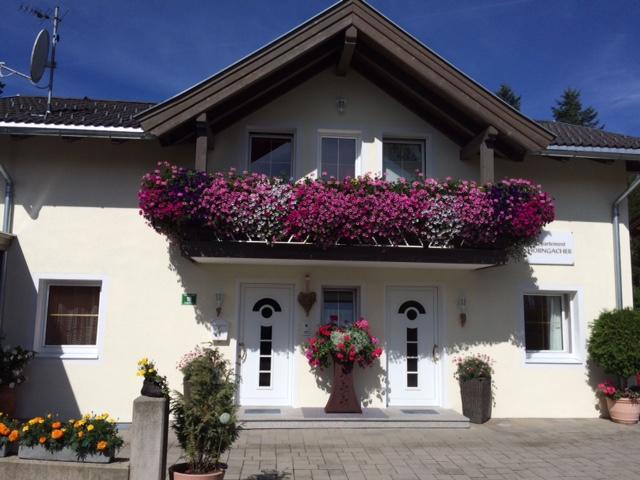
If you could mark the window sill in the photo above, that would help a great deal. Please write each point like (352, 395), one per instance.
(552, 358)
(83, 354)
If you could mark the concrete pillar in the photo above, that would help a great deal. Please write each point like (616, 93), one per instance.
(149, 430)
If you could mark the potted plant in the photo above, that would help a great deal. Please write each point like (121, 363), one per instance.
(154, 384)
(205, 423)
(9, 435)
(474, 375)
(344, 347)
(92, 439)
(13, 360)
(614, 345)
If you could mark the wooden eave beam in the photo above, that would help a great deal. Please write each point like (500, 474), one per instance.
(204, 142)
(350, 40)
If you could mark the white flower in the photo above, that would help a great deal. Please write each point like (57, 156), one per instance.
(12, 385)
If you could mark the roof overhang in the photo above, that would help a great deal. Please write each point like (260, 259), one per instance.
(5, 240)
(352, 255)
(384, 53)
(604, 154)
(81, 131)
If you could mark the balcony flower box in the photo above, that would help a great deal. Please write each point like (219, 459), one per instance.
(65, 455)
(189, 206)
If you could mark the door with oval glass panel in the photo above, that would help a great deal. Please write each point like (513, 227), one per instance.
(264, 346)
(411, 346)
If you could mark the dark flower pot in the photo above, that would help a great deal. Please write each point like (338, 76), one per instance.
(476, 399)
(343, 397)
(8, 401)
(151, 389)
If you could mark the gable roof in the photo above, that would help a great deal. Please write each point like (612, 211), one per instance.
(384, 53)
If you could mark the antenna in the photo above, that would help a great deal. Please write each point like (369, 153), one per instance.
(40, 53)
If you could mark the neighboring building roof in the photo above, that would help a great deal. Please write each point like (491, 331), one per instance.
(350, 33)
(71, 117)
(568, 135)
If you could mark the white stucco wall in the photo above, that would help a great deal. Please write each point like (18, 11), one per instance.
(76, 213)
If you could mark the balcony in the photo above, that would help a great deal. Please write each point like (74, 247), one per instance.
(231, 218)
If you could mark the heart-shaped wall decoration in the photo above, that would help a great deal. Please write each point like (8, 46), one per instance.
(306, 300)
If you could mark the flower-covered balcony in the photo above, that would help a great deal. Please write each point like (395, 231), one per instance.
(228, 217)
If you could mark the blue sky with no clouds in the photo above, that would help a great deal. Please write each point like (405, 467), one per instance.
(152, 49)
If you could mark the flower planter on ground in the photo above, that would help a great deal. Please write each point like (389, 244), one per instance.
(343, 397)
(66, 454)
(624, 410)
(476, 399)
(6, 450)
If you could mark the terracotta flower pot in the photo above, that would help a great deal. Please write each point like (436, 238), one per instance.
(343, 397)
(178, 472)
(8, 401)
(624, 410)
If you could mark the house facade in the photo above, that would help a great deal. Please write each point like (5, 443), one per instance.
(92, 288)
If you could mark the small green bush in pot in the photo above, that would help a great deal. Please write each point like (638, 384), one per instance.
(205, 422)
(474, 374)
(614, 345)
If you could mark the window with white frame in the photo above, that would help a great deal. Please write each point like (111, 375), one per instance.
(402, 158)
(339, 156)
(340, 305)
(70, 317)
(549, 326)
(271, 154)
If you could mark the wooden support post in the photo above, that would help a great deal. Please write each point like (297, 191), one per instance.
(203, 142)
(482, 144)
(350, 37)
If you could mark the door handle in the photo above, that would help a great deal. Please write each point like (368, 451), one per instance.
(242, 352)
(434, 352)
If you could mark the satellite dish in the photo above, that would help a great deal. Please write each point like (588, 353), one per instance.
(39, 55)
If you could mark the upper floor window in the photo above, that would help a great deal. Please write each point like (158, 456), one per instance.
(69, 318)
(340, 304)
(402, 159)
(339, 156)
(271, 154)
(550, 327)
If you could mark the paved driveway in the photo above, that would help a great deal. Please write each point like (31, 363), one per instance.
(500, 449)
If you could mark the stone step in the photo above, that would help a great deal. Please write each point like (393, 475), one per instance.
(253, 418)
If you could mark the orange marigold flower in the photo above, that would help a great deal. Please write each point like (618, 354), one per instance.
(57, 434)
(81, 434)
(4, 430)
(42, 439)
(56, 425)
(102, 445)
(14, 436)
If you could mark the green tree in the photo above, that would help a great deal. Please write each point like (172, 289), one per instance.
(569, 109)
(506, 93)
(2, 85)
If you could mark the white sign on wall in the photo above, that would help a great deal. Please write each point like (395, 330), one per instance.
(553, 248)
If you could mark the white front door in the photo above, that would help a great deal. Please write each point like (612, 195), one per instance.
(411, 345)
(264, 349)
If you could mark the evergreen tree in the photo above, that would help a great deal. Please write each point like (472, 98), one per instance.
(1, 87)
(506, 93)
(569, 109)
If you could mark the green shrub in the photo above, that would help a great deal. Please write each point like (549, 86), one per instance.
(205, 420)
(614, 344)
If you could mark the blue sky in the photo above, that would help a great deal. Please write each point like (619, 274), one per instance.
(152, 49)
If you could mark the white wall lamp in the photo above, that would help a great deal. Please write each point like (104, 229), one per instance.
(219, 302)
(462, 308)
(341, 105)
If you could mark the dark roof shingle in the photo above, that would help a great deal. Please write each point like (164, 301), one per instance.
(71, 111)
(568, 135)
